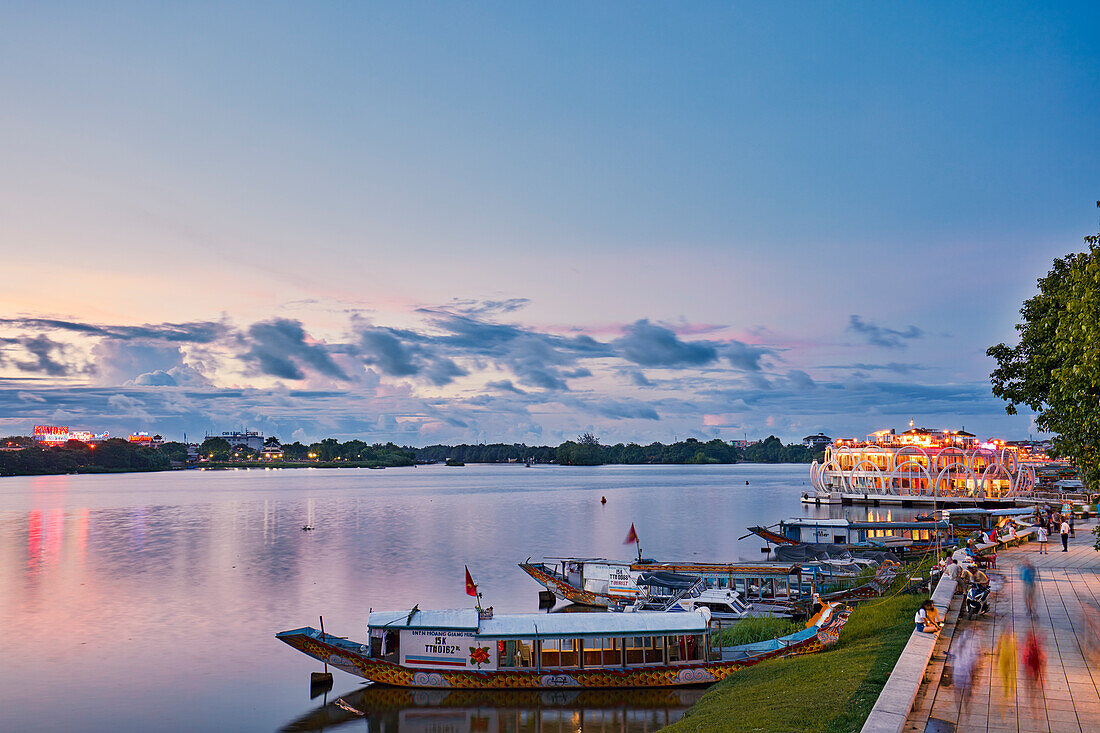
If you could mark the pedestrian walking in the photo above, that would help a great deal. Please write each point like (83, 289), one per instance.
(1091, 648)
(1005, 658)
(965, 664)
(1027, 575)
(1065, 536)
(1071, 532)
(1041, 531)
(1035, 664)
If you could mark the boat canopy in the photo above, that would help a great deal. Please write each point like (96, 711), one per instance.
(544, 625)
(663, 579)
(748, 569)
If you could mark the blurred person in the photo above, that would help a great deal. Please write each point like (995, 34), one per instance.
(1027, 575)
(1035, 664)
(1092, 639)
(1004, 655)
(965, 656)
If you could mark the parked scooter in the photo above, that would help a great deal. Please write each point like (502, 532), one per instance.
(976, 602)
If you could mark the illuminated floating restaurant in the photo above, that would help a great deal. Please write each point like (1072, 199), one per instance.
(923, 466)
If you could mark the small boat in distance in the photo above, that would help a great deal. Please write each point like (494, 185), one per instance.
(470, 648)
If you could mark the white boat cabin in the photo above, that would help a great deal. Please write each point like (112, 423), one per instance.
(460, 640)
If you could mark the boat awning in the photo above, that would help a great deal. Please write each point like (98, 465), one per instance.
(676, 581)
(455, 619)
(581, 625)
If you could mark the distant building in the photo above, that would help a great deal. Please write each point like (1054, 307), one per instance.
(192, 452)
(817, 442)
(742, 444)
(272, 452)
(146, 440)
(250, 439)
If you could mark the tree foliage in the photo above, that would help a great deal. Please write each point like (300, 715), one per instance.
(772, 450)
(1055, 367)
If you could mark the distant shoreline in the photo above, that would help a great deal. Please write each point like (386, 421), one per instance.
(223, 466)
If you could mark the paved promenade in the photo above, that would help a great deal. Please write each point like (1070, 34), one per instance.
(1068, 583)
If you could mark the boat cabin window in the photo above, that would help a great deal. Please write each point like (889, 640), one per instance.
(603, 652)
(684, 649)
(722, 583)
(560, 652)
(645, 650)
(514, 654)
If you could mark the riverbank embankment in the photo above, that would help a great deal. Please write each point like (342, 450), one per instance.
(832, 690)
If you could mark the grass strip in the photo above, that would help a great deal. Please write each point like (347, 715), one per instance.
(831, 691)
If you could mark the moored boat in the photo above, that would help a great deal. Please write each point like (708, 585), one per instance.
(472, 649)
(908, 538)
(605, 583)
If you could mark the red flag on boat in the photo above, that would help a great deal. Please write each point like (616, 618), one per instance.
(631, 536)
(471, 589)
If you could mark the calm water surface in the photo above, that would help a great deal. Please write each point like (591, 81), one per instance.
(147, 601)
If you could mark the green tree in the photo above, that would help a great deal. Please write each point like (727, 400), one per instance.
(174, 451)
(1055, 367)
(216, 448)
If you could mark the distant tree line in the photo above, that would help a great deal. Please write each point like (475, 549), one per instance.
(588, 451)
(329, 450)
(121, 455)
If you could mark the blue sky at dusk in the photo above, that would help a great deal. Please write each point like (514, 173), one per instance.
(444, 222)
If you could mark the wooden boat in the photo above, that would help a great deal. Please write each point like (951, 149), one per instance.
(472, 649)
(885, 576)
(908, 538)
(604, 583)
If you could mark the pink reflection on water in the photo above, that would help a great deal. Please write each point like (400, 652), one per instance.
(34, 540)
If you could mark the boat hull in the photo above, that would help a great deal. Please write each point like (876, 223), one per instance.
(568, 592)
(350, 657)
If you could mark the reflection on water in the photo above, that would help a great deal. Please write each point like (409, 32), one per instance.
(168, 588)
(396, 710)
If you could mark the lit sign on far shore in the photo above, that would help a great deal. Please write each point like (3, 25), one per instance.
(60, 434)
(51, 433)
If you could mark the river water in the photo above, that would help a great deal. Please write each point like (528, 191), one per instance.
(150, 601)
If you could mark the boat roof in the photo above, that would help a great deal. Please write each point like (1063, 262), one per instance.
(989, 512)
(751, 569)
(899, 525)
(543, 625)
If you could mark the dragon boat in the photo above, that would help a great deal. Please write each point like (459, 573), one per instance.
(473, 649)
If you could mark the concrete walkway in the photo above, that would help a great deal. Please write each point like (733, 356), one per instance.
(1068, 583)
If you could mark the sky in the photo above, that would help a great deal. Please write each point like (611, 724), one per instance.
(465, 222)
